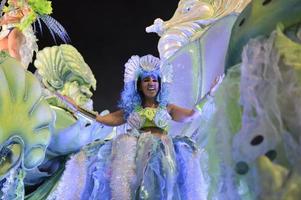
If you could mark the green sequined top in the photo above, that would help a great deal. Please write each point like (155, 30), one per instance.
(154, 117)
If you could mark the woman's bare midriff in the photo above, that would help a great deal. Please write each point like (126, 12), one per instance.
(154, 131)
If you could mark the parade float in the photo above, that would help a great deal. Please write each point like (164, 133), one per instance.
(247, 135)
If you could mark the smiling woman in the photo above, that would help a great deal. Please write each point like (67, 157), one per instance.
(149, 86)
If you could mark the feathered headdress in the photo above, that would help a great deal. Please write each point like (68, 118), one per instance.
(39, 10)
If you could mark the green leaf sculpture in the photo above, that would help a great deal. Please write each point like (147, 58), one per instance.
(25, 118)
(260, 18)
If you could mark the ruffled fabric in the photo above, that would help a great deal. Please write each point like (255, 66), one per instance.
(220, 121)
(129, 167)
(72, 181)
(270, 95)
(123, 167)
(98, 171)
(156, 168)
(28, 47)
(191, 178)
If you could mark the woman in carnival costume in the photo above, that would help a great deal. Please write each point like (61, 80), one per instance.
(17, 36)
(145, 162)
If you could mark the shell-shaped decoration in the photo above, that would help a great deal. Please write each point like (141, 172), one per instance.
(60, 64)
(25, 118)
(150, 63)
(131, 69)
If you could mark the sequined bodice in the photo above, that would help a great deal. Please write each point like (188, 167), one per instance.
(149, 117)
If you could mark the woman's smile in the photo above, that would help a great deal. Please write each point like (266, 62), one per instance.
(150, 86)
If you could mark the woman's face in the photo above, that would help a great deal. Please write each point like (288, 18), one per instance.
(149, 86)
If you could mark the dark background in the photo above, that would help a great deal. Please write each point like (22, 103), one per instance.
(107, 34)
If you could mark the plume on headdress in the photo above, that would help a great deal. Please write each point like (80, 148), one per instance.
(40, 10)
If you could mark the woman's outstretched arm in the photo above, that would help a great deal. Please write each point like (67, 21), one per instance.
(112, 119)
(180, 114)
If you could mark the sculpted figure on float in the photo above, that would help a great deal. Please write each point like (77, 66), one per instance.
(190, 20)
(237, 138)
(267, 124)
(63, 70)
(46, 132)
(264, 49)
(255, 131)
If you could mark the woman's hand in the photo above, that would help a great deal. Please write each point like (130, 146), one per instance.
(112, 119)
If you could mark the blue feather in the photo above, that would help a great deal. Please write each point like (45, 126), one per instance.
(40, 25)
(55, 28)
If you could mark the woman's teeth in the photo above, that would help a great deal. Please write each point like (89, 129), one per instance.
(151, 88)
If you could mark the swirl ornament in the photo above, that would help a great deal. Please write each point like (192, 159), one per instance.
(25, 118)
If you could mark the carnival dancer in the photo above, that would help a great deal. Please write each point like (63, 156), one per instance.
(144, 162)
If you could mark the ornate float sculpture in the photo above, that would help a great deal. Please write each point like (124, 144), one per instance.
(196, 37)
(46, 133)
(249, 118)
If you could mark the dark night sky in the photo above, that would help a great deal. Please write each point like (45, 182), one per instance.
(107, 33)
